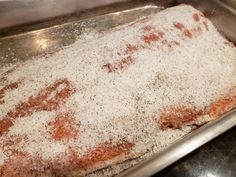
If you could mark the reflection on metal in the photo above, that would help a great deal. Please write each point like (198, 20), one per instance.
(231, 3)
(24, 11)
(41, 43)
(210, 175)
(27, 44)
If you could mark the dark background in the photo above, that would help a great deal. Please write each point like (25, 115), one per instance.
(217, 158)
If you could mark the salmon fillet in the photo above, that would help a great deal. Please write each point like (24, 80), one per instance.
(96, 103)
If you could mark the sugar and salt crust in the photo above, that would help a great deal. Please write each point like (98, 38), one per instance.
(121, 81)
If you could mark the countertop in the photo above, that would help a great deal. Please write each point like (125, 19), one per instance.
(217, 158)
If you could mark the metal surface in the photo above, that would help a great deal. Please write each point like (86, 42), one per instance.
(23, 46)
(14, 12)
(18, 12)
(25, 42)
(181, 148)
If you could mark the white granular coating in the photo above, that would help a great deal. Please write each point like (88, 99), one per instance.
(2, 157)
(127, 103)
(115, 169)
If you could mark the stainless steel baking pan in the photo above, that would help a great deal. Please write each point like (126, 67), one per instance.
(42, 33)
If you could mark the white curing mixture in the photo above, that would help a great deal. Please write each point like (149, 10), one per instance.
(124, 103)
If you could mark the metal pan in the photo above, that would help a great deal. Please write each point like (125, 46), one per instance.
(26, 41)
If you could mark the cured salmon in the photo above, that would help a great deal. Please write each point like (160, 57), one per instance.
(96, 103)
